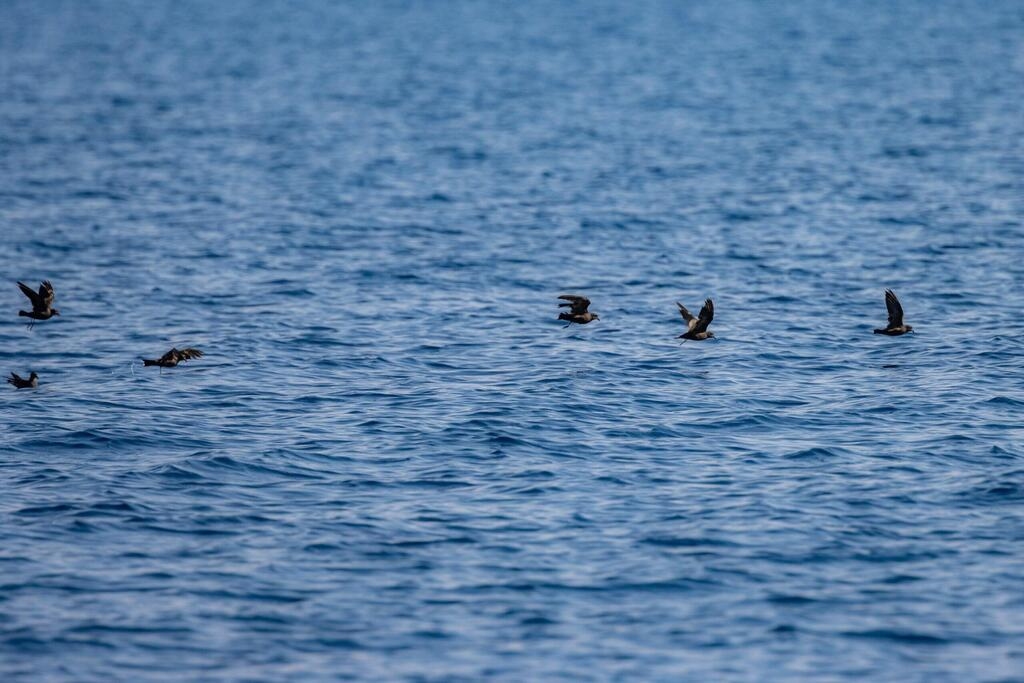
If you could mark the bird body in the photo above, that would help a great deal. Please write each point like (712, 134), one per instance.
(42, 301)
(21, 383)
(697, 327)
(578, 312)
(895, 327)
(173, 357)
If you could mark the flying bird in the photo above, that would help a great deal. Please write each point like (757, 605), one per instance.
(578, 312)
(42, 302)
(895, 327)
(697, 327)
(173, 357)
(21, 383)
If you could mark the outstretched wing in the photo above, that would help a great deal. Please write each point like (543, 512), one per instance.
(46, 293)
(894, 307)
(687, 316)
(37, 302)
(14, 379)
(189, 354)
(707, 314)
(579, 303)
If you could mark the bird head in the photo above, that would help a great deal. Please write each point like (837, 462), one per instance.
(596, 316)
(909, 328)
(56, 312)
(711, 335)
(33, 376)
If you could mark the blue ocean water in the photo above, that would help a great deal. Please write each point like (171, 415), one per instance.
(393, 462)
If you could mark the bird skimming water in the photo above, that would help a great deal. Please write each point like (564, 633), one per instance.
(578, 312)
(19, 382)
(42, 302)
(173, 357)
(895, 327)
(697, 328)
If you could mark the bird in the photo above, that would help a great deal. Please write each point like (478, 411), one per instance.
(578, 312)
(21, 383)
(895, 327)
(173, 357)
(697, 328)
(42, 302)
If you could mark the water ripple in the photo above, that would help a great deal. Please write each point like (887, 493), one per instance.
(394, 462)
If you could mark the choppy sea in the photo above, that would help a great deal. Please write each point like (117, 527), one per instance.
(394, 463)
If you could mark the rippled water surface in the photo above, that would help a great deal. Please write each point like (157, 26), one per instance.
(393, 462)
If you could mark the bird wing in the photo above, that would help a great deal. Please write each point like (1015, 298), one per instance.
(707, 314)
(14, 378)
(189, 354)
(46, 293)
(169, 356)
(687, 316)
(894, 307)
(32, 296)
(579, 303)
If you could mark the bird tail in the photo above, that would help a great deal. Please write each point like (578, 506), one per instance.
(24, 313)
(565, 316)
(879, 331)
(146, 362)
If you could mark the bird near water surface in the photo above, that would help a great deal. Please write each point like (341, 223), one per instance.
(173, 357)
(19, 382)
(578, 312)
(697, 327)
(42, 302)
(895, 327)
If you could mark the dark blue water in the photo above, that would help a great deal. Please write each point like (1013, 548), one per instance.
(393, 462)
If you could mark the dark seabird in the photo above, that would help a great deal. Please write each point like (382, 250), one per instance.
(895, 327)
(21, 383)
(173, 357)
(697, 328)
(578, 312)
(42, 302)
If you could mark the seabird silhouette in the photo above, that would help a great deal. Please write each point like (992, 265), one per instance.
(42, 302)
(578, 312)
(895, 327)
(21, 383)
(173, 357)
(697, 328)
